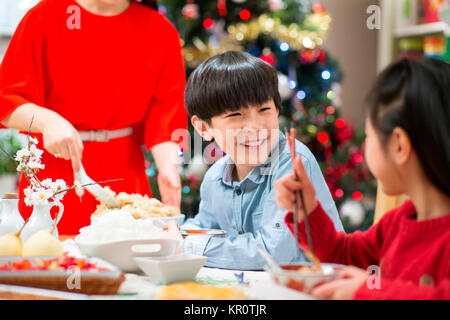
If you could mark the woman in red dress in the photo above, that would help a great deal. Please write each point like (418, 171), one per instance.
(101, 78)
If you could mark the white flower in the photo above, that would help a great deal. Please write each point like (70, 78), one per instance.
(35, 164)
(22, 155)
(47, 183)
(34, 140)
(21, 167)
(35, 152)
(60, 184)
(37, 196)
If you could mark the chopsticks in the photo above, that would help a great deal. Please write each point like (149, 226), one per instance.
(299, 200)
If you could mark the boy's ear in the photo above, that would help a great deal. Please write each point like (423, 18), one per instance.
(202, 127)
(400, 146)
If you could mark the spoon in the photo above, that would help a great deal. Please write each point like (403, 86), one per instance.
(95, 189)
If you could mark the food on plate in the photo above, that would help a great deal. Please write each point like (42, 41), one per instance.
(139, 206)
(304, 278)
(10, 245)
(61, 263)
(42, 243)
(118, 225)
(198, 291)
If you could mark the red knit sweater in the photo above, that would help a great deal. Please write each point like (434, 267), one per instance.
(411, 254)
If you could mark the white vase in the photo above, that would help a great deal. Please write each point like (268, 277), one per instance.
(11, 220)
(41, 219)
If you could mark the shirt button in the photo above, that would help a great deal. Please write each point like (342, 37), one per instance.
(241, 232)
(238, 192)
(277, 224)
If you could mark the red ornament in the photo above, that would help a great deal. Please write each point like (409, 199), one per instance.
(222, 7)
(322, 137)
(245, 14)
(330, 110)
(317, 7)
(208, 23)
(190, 10)
(357, 158)
(339, 193)
(268, 57)
(340, 123)
(357, 195)
(307, 56)
(321, 56)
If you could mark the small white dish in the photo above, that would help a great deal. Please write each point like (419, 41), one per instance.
(121, 253)
(177, 268)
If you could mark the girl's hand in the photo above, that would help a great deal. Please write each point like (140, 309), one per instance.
(286, 187)
(173, 232)
(62, 140)
(343, 289)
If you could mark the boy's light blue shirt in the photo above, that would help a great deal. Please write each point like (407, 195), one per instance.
(247, 211)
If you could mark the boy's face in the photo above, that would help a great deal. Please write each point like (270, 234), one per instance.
(246, 135)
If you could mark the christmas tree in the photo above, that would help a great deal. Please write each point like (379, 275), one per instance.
(288, 34)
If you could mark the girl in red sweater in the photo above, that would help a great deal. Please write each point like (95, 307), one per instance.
(408, 150)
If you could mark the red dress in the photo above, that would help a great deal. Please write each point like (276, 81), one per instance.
(111, 73)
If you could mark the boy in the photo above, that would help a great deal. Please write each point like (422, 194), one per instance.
(233, 98)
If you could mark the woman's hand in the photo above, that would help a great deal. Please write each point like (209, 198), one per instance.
(173, 232)
(169, 182)
(62, 140)
(343, 289)
(286, 187)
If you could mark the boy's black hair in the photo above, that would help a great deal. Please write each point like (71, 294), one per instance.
(229, 81)
(415, 95)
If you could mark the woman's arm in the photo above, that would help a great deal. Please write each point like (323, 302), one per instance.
(169, 182)
(60, 137)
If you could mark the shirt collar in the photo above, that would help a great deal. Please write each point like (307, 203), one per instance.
(257, 175)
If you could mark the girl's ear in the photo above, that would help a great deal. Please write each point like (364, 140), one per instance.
(400, 146)
(202, 127)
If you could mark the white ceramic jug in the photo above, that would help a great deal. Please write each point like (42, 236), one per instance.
(41, 219)
(11, 220)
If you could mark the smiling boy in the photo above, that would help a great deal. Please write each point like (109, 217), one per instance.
(233, 99)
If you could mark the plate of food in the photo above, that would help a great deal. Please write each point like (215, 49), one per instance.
(66, 273)
(304, 277)
(117, 237)
(141, 207)
(196, 291)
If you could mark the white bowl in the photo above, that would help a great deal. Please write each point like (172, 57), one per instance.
(121, 253)
(177, 268)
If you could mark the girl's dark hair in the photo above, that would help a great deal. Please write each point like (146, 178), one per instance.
(149, 3)
(229, 81)
(415, 95)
